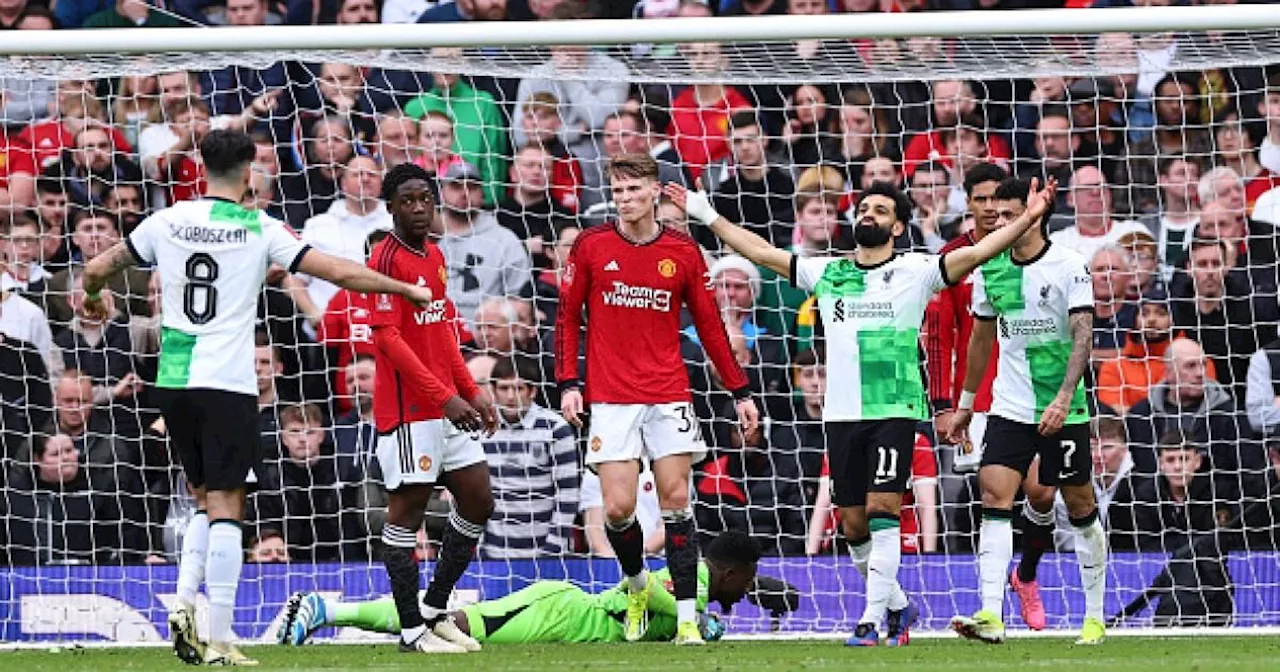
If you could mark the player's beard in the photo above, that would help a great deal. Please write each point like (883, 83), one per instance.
(871, 235)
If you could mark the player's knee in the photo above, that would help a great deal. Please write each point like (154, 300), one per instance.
(619, 511)
(994, 499)
(1079, 500)
(675, 500)
(854, 528)
(1041, 498)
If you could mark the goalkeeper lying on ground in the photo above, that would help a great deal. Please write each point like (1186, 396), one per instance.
(558, 611)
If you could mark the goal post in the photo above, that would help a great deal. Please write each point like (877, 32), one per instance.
(1172, 109)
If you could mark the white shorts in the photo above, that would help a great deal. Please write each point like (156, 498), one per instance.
(624, 432)
(418, 452)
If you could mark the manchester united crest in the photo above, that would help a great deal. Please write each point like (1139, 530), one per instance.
(595, 444)
(444, 275)
(424, 463)
(667, 268)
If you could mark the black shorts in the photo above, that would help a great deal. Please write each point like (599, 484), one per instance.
(1064, 457)
(214, 434)
(869, 456)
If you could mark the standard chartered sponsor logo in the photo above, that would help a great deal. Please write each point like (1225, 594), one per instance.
(847, 309)
(1032, 326)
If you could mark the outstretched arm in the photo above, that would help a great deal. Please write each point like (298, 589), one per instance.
(753, 247)
(959, 263)
(357, 278)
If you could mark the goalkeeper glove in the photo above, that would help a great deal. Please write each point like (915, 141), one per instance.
(712, 627)
(698, 207)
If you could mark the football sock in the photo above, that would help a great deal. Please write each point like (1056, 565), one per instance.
(399, 545)
(627, 539)
(882, 565)
(375, 616)
(1091, 553)
(995, 550)
(682, 560)
(861, 551)
(195, 546)
(1037, 539)
(459, 546)
(222, 576)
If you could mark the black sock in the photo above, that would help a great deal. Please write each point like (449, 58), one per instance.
(682, 554)
(459, 546)
(628, 544)
(402, 570)
(1037, 539)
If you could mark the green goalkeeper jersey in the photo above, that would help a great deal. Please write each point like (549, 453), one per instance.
(558, 611)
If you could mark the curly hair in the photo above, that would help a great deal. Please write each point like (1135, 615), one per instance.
(400, 174)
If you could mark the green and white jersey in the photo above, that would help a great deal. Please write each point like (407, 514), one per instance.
(872, 320)
(1031, 302)
(212, 256)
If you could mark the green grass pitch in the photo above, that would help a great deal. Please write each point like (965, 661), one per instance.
(1127, 654)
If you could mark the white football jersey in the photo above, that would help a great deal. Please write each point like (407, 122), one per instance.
(1030, 302)
(212, 256)
(872, 320)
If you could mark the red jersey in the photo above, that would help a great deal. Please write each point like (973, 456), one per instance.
(926, 147)
(15, 158)
(924, 471)
(948, 322)
(419, 364)
(187, 181)
(633, 294)
(700, 133)
(48, 138)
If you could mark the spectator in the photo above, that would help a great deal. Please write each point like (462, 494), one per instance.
(805, 130)
(343, 230)
(930, 191)
(736, 283)
(302, 494)
(397, 137)
(101, 350)
(589, 84)
(541, 122)
(483, 258)
(747, 187)
(236, 88)
(1143, 260)
(533, 461)
(528, 211)
(1113, 316)
(864, 133)
(354, 434)
(26, 99)
(466, 10)
(17, 170)
(76, 107)
(134, 14)
(268, 548)
(93, 166)
(1262, 399)
(134, 104)
(1175, 506)
(26, 402)
(168, 151)
(1094, 228)
(327, 148)
(547, 281)
(52, 210)
(796, 431)
(952, 101)
(1236, 150)
(1179, 213)
(335, 90)
(1269, 110)
(703, 108)
(625, 132)
(1126, 380)
(480, 124)
(1056, 147)
(1098, 119)
(55, 516)
(1221, 313)
(1254, 246)
(1190, 401)
(1177, 133)
(22, 269)
(436, 131)
(111, 461)
(94, 232)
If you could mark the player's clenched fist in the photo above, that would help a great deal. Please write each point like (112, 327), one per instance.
(462, 414)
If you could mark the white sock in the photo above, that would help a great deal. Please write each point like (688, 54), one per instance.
(882, 568)
(639, 582)
(195, 545)
(222, 577)
(431, 613)
(1091, 553)
(411, 635)
(1044, 518)
(861, 556)
(995, 550)
(686, 611)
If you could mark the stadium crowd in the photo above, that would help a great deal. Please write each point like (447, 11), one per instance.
(1168, 189)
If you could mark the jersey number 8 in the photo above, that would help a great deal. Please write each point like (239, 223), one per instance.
(200, 297)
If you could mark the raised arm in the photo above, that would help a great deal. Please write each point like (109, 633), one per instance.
(753, 247)
(958, 263)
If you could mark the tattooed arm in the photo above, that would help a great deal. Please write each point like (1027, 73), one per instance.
(100, 269)
(1081, 326)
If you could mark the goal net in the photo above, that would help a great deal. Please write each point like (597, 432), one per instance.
(1166, 146)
